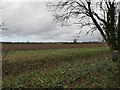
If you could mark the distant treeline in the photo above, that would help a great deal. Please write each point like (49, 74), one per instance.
(50, 42)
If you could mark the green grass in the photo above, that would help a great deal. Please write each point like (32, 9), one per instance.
(88, 67)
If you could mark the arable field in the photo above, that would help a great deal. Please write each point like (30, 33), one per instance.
(66, 68)
(43, 46)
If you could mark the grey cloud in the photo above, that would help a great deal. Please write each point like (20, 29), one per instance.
(33, 21)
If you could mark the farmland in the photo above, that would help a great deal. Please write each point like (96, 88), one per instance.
(40, 46)
(58, 65)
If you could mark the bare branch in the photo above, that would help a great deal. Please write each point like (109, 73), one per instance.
(83, 13)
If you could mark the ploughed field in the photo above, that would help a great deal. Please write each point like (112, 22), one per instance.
(31, 46)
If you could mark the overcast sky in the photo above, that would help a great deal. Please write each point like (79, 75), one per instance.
(32, 21)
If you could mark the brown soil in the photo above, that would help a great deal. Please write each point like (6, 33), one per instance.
(24, 47)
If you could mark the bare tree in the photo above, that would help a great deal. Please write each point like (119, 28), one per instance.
(101, 15)
(76, 37)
